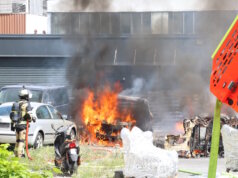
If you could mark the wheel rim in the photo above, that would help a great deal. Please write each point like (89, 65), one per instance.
(39, 141)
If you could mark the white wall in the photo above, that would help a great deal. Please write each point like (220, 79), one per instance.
(143, 5)
(35, 22)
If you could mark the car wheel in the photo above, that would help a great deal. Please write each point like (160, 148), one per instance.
(72, 134)
(39, 141)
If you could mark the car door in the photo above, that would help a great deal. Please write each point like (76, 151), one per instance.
(57, 119)
(44, 121)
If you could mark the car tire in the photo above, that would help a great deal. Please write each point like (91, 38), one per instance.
(72, 134)
(39, 141)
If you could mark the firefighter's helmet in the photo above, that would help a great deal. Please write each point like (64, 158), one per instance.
(24, 93)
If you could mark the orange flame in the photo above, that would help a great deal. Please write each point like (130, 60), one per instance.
(102, 107)
(179, 127)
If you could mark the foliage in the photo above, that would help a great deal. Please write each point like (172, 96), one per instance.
(11, 167)
(100, 162)
(43, 161)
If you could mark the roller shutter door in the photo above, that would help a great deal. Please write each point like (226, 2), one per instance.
(32, 75)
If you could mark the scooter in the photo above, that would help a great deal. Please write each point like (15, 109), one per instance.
(67, 157)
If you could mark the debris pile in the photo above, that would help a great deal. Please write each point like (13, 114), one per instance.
(196, 140)
(110, 132)
(143, 159)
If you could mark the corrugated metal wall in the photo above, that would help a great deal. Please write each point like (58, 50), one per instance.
(12, 23)
(39, 76)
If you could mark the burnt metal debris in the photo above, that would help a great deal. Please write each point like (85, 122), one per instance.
(110, 132)
(196, 140)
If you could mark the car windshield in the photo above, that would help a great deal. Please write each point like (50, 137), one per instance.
(11, 95)
(5, 110)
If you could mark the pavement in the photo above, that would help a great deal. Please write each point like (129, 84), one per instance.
(199, 165)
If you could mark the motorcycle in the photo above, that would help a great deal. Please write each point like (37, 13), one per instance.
(67, 157)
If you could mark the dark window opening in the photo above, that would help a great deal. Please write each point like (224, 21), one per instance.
(125, 23)
(84, 23)
(95, 23)
(104, 23)
(136, 23)
(115, 23)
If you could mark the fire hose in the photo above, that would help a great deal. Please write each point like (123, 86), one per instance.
(27, 130)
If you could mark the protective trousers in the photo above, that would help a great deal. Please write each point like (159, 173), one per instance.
(20, 139)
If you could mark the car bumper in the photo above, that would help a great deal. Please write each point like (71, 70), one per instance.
(7, 137)
(10, 137)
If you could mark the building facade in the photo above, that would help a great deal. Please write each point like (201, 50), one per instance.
(171, 44)
(23, 16)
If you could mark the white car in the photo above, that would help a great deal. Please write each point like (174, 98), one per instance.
(40, 132)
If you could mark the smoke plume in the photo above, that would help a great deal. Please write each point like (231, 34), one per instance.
(172, 73)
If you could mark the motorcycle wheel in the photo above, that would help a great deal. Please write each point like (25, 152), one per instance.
(73, 168)
(64, 167)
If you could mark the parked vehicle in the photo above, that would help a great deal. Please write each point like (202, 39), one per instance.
(52, 95)
(139, 108)
(66, 150)
(40, 132)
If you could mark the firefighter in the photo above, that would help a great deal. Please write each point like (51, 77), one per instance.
(21, 112)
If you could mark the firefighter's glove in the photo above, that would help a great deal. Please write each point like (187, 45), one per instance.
(33, 119)
(30, 116)
(27, 117)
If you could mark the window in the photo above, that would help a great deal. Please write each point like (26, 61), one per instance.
(42, 113)
(104, 23)
(55, 113)
(11, 94)
(19, 7)
(45, 7)
(59, 96)
(75, 23)
(159, 23)
(84, 23)
(46, 98)
(94, 23)
(178, 23)
(136, 23)
(146, 22)
(5, 110)
(125, 22)
(188, 22)
(115, 23)
(61, 23)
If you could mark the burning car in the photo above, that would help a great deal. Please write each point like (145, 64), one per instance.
(196, 140)
(103, 114)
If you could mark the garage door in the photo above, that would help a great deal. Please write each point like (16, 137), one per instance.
(33, 70)
(23, 75)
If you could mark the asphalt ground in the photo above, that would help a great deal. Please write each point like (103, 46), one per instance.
(199, 165)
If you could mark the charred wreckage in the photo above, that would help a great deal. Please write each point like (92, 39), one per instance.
(102, 123)
(196, 140)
